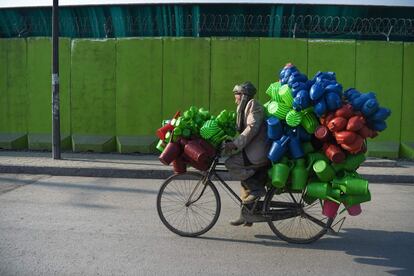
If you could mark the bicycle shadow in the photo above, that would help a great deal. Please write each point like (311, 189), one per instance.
(393, 249)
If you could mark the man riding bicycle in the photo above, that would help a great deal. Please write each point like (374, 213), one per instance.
(250, 163)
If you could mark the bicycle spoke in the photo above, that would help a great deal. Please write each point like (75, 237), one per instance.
(306, 227)
(196, 218)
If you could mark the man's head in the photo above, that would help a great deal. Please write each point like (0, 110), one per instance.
(247, 89)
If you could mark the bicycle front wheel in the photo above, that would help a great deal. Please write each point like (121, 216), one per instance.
(188, 204)
(306, 227)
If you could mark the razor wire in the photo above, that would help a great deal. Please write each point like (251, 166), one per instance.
(219, 25)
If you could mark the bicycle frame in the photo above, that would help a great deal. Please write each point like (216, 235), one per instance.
(288, 210)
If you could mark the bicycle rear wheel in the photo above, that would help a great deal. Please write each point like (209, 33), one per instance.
(308, 226)
(188, 204)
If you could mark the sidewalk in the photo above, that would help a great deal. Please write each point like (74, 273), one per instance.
(148, 166)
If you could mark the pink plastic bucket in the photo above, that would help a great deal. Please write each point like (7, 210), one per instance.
(330, 208)
(354, 210)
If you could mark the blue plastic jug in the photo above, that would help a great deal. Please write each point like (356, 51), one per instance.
(381, 114)
(320, 107)
(333, 101)
(297, 86)
(302, 100)
(316, 91)
(295, 148)
(274, 128)
(370, 107)
(351, 94)
(335, 88)
(358, 102)
(278, 149)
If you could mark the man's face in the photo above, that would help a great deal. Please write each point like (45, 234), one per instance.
(237, 98)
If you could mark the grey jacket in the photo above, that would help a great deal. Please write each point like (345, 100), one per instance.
(253, 140)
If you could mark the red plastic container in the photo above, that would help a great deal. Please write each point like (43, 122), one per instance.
(366, 132)
(195, 152)
(345, 137)
(330, 208)
(171, 152)
(210, 150)
(202, 165)
(334, 153)
(179, 165)
(322, 133)
(325, 119)
(345, 111)
(337, 124)
(356, 146)
(355, 123)
(161, 132)
(354, 210)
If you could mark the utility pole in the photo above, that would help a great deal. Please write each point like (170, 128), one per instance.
(55, 82)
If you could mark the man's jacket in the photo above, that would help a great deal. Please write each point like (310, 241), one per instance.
(253, 140)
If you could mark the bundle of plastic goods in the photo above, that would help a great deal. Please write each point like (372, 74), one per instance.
(192, 139)
(318, 138)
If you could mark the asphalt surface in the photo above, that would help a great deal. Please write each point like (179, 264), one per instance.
(54, 225)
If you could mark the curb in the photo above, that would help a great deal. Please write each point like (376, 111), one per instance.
(157, 174)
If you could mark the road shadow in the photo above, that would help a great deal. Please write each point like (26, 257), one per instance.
(83, 186)
(393, 249)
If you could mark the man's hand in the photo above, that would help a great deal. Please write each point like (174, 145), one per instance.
(229, 147)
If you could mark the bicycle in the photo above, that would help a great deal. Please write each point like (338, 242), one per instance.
(189, 205)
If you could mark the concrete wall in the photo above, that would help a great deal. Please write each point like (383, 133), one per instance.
(114, 93)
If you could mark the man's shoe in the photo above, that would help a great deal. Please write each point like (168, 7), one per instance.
(250, 199)
(238, 222)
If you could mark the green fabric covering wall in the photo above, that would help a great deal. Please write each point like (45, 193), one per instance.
(233, 61)
(407, 114)
(274, 54)
(13, 96)
(93, 87)
(125, 87)
(39, 87)
(138, 86)
(333, 55)
(186, 74)
(379, 69)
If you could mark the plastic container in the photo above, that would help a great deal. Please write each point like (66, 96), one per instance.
(295, 148)
(334, 153)
(320, 107)
(337, 124)
(293, 118)
(345, 137)
(286, 95)
(309, 121)
(278, 110)
(179, 165)
(316, 91)
(278, 149)
(355, 123)
(330, 208)
(195, 152)
(333, 101)
(299, 175)
(324, 171)
(170, 153)
(274, 128)
(345, 111)
(322, 133)
(354, 210)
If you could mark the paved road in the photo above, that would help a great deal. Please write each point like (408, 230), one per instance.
(108, 226)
